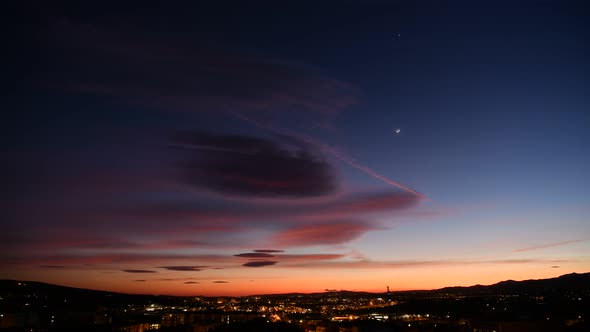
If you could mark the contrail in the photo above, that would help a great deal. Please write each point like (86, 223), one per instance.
(332, 151)
(549, 245)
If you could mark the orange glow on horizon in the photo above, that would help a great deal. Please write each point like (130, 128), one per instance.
(298, 280)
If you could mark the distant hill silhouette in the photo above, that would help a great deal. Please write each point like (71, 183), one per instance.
(14, 291)
(566, 282)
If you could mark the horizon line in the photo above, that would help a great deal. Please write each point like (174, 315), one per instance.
(326, 291)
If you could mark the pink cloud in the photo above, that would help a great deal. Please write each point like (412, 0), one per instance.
(310, 257)
(202, 226)
(321, 234)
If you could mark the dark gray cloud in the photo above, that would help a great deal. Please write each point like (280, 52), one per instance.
(53, 266)
(191, 282)
(220, 282)
(139, 271)
(184, 268)
(269, 250)
(140, 280)
(243, 165)
(255, 255)
(259, 263)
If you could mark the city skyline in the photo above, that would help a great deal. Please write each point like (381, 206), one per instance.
(239, 149)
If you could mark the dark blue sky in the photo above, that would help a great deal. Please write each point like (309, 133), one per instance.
(159, 134)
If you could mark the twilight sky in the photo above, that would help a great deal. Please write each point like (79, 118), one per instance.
(233, 148)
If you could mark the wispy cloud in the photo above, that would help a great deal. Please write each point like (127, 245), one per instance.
(299, 224)
(139, 271)
(322, 234)
(311, 257)
(175, 279)
(549, 245)
(141, 68)
(255, 255)
(256, 260)
(214, 184)
(147, 258)
(369, 264)
(184, 268)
